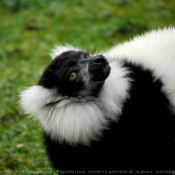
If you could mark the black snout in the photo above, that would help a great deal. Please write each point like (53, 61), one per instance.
(99, 68)
(99, 60)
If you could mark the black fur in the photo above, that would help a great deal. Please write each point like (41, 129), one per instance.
(56, 76)
(142, 139)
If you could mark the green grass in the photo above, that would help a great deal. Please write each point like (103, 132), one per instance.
(29, 30)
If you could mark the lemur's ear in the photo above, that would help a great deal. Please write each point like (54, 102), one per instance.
(58, 50)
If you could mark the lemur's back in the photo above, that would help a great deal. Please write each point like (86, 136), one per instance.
(154, 50)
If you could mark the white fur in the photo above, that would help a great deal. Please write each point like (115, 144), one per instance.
(58, 50)
(78, 121)
(154, 50)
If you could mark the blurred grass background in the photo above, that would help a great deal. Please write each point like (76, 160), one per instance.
(29, 30)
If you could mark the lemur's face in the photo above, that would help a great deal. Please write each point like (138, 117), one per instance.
(76, 74)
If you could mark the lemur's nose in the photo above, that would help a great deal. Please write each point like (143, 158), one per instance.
(99, 59)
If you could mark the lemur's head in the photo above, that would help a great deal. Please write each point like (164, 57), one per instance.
(67, 100)
(75, 74)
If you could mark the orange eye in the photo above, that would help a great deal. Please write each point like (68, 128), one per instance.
(72, 76)
(87, 56)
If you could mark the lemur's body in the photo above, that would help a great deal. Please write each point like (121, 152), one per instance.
(116, 116)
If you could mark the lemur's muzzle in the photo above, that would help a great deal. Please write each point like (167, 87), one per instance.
(99, 68)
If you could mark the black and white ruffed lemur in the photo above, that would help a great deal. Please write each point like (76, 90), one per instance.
(111, 111)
